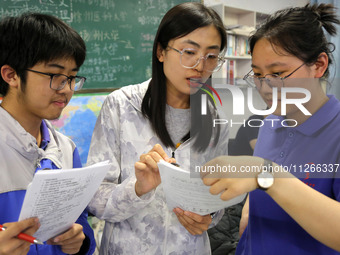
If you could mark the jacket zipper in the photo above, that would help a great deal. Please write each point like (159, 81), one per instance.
(165, 245)
(167, 215)
(37, 165)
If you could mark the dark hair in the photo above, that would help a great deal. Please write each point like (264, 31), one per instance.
(33, 38)
(177, 22)
(299, 31)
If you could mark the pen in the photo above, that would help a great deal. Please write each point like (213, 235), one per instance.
(24, 237)
(175, 164)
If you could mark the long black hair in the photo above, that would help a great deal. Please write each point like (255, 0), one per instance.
(300, 31)
(178, 22)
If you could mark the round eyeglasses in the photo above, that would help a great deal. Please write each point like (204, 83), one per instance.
(58, 81)
(272, 80)
(190, 58)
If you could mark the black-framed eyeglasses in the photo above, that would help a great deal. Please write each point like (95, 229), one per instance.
(273, 80)
(58, 81)
(190, 58)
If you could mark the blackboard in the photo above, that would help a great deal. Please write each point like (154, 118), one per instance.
(119, 34)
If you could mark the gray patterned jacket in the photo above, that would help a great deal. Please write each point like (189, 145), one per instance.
(138, 225)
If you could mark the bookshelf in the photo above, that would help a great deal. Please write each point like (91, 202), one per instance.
(239, 23)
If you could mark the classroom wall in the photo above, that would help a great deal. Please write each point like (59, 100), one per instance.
(264, 6)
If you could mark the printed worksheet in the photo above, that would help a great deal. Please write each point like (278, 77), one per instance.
(58, 197)
(188, 193)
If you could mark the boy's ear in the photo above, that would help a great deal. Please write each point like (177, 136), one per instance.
(321, 65)
(10, 76)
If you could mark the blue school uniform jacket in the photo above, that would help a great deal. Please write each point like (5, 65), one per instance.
(20, 158)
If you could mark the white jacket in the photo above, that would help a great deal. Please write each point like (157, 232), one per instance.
(139, 225)
(20, 155)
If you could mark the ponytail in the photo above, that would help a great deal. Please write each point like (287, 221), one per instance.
(300, 31)
(325, 14)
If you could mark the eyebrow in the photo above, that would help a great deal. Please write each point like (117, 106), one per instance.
(61, 67)
(275, 64)
(199, 46)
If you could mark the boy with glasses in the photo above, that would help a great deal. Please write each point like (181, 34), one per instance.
(39, 60)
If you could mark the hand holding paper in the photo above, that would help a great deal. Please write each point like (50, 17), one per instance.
(190, 194)
(71, 241)
(195, 224)
(58, 197)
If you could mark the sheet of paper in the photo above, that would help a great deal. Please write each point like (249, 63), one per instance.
(190, 194)
(58, 197)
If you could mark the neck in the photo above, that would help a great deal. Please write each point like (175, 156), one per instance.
(179, 104)
(312, 106)
(31, 126)
(179, 101)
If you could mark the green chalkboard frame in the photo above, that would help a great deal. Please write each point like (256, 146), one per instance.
(119, 35)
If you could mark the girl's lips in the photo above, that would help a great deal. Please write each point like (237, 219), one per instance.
(194, 82)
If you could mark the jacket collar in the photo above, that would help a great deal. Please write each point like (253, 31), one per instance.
(16, 137)
(317, 121)
(135, 94)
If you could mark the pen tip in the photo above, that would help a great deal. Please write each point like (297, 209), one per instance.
(36, 241)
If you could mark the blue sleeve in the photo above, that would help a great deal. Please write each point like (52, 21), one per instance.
(76, 159)
(89, 244)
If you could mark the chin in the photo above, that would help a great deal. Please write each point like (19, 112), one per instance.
(277, 112)
(193, 91)
(53, 116)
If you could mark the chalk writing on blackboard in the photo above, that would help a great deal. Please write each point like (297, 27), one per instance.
(118, 34)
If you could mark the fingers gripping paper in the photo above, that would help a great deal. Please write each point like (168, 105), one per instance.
(190, 194)
(58, 197)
